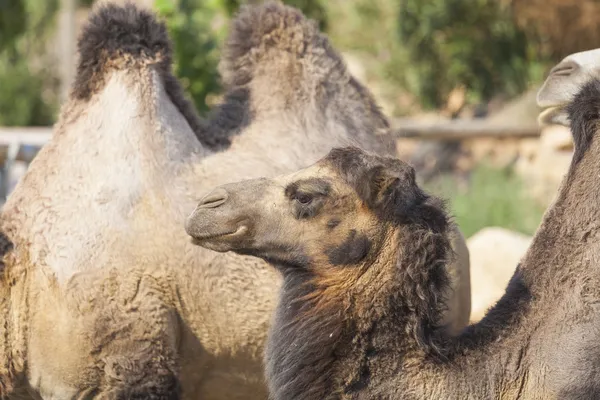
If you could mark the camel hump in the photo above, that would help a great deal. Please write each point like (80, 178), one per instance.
(584, 114)
(118, 37)
(260, 34)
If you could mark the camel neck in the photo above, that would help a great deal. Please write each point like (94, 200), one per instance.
(557, 263)
(571, 224)
(353, 344)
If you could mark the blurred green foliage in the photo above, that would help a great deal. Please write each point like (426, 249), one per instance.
(416, 51)
(21, 99)
(22, 24)
(494, 197)
(474, 43)
(423, 49)
(12, 21)
(196, 29)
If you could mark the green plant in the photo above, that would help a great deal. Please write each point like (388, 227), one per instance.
(21, 100)
(196, 28)
(493, 197)
(12, 21)
(23, 76)
(451, 43)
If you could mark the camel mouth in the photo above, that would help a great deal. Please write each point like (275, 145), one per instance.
(215, 241)
(554, 115)
(240, 230)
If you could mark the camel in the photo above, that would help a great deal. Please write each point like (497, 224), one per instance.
(363, 250)
(102, 292)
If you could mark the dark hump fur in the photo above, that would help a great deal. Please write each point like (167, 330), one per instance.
(6, 246)
(128, 34)
(584, 114)
(257, 28)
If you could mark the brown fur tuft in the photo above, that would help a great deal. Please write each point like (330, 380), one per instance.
(118, 37)
(125, 37)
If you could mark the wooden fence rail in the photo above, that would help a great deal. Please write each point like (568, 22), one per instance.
(461, 130)
(14, 140)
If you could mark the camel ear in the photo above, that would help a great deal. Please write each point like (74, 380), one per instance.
(391, 190)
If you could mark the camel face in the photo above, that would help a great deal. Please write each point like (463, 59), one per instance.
(333, 213)
(269, 218)
(564, 82)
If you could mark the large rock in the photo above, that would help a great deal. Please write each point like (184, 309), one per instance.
(495, 253)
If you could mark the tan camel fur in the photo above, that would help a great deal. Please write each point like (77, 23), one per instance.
(103, 293)
(363, 249)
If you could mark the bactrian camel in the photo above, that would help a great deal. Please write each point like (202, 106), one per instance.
(103, 293)
(363, 250)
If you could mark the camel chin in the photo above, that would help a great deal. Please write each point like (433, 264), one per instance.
(556, 115)
(220, 242)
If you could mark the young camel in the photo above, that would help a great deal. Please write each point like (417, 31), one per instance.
(102, 292)
(363, 252)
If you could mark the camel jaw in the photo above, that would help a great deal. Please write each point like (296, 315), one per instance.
(205, 230)
(220, 242)
(556, 115)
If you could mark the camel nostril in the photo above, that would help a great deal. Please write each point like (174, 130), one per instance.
(214, 199)
(564, 68)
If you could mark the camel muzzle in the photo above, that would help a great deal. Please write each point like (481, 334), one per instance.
(220, 220)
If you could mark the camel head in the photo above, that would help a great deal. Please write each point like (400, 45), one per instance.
(336, 213)
(564, 82)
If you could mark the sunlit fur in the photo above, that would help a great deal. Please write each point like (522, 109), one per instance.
(102, 292)
(369, 328)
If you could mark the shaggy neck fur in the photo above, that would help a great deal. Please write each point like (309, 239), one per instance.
(328, 343)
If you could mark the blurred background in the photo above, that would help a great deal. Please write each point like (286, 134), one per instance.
(457, 77)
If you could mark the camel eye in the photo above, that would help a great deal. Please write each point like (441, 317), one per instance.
(304, 198)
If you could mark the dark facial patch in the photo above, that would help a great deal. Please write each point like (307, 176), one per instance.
(351, 251)
(315, 186)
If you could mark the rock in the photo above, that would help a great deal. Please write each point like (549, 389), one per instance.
(495, 253)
